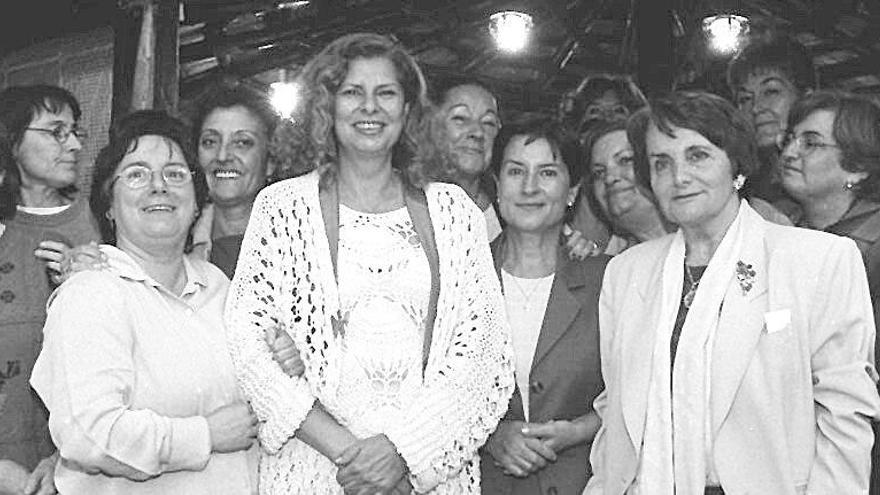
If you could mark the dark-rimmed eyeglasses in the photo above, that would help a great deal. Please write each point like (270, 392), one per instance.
(138, 176)
(62, 133)
(805, 144)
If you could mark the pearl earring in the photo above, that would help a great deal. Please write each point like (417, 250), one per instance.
(739, 181)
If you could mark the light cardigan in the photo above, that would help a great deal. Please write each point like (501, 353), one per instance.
(285, 281)
(129, 371)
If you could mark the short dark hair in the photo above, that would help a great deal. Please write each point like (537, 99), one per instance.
(780, 52)
(19, 106)
(708, 114)
(564, 145)
(123, 140)
(856, 130)
(440, 165)
(227, 95)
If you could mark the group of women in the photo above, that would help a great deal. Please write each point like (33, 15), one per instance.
(372, 340)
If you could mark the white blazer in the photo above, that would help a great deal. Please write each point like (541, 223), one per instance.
(792, 380)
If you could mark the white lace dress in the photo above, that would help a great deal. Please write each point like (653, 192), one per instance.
(369, 375)
(384, 290)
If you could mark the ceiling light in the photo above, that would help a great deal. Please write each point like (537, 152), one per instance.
(726, 32)
(510, 29)
(285, 97)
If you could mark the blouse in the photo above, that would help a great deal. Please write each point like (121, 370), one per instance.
(129, 372)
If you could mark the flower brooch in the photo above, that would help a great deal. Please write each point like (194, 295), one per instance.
(745, 275)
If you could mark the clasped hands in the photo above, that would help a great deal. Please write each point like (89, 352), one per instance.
(367, 466)
(370, 466)
(520, 449)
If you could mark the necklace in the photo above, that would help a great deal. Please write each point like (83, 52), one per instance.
(528, 295)
(688, 298)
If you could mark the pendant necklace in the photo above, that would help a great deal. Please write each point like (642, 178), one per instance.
(688, 298)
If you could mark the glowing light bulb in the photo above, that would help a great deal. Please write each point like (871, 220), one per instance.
(726, 31)
(285, 97)
(510, 30)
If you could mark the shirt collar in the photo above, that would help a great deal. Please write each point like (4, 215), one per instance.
(126, 267)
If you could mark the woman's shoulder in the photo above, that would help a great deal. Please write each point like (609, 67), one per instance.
(290, 190)
(88, 289)
(807, 250)
(590, 266)
(800, 238)
(643, 253)
(446, 192)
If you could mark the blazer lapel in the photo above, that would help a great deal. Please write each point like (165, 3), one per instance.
(562, 307)
(638, 344)
(740, 326)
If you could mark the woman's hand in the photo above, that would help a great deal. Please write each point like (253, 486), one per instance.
(284, 352)
(370, 466)
(42, 479)
(557, 435)
(578, 246)
(13, 477)
(233, 427)
(62, 261)
(515, 453)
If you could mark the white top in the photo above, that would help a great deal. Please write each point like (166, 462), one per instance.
(285, 281)
(129, 371)
(526, 300)
(384, 291)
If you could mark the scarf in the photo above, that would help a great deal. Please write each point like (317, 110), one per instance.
(677, 442)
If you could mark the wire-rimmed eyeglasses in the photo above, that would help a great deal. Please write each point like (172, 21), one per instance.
(62, 133)
(138, 176)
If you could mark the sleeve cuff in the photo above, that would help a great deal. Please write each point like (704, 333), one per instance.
(190, 444)
(279, 428)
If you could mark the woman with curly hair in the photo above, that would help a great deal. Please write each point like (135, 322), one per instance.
(385, 285)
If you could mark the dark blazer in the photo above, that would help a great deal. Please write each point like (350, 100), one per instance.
(565, 376)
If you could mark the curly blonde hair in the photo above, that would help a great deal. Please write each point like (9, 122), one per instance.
(310, 143)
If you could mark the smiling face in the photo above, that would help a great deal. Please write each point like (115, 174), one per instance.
(370, 108)
(767, 97)
(470, 119)
(691, 178)
(233, 152)
(614, 180)
(813, 170)
(157, 214)
(534, 187)
(43, 161)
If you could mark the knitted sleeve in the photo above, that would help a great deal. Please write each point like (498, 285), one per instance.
(469, 377)
(252, 312)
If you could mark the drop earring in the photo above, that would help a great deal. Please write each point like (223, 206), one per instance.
(738, 182)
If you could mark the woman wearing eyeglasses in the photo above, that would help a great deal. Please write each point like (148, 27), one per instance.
(40, 213)
(831, 166)
(134, 371)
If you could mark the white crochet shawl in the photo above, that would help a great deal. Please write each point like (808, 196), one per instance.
(284, 279)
